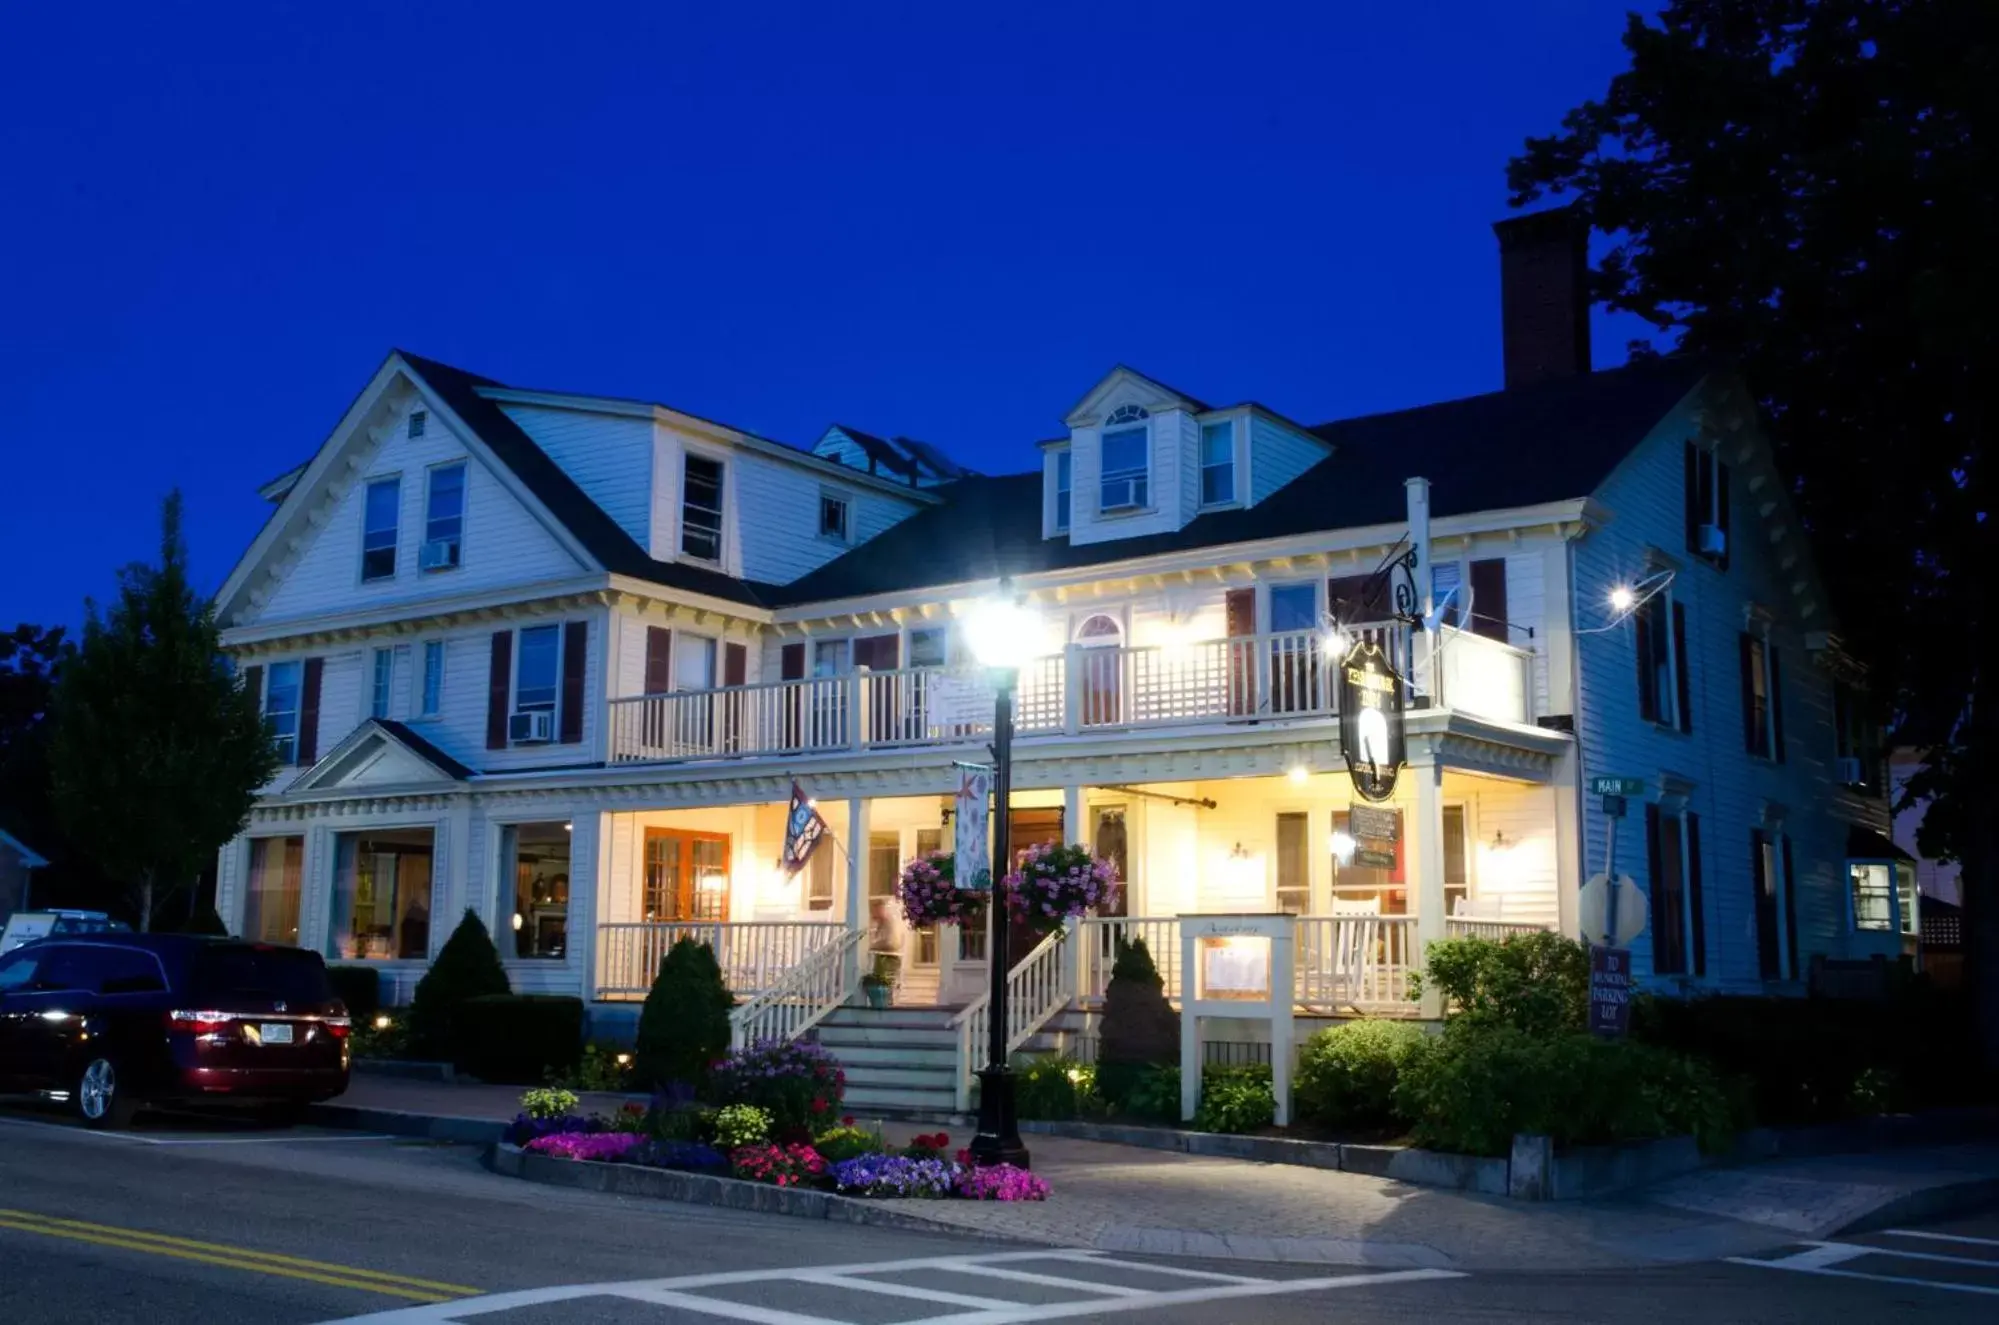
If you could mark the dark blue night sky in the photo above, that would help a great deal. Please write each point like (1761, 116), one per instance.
(943, 220)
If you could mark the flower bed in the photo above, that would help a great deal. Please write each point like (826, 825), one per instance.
(734, 1141)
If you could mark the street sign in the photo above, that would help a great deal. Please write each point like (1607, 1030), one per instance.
(1593, 909)
(1614, 806)
(1616, 786)
(1609, 990)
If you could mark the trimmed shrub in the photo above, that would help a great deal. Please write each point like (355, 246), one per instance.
(467, 967)
(1538, 983)
(518, 1038)
(1155, 1095)
(1236, 1099)
(1347, 1074)
(684, 1027)
(360, 988)
(1050, 1088)
(1808, 1060)
(798, 1084)
(1472, 1088)
(1140, 1029)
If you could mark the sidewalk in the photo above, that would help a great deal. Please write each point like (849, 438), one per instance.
(1119, 1198)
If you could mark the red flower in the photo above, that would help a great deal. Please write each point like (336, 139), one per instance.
(847, 1120)
(819, 1105)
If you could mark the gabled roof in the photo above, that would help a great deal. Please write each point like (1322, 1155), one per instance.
(601, 536)
(1505, 450)
(358, 756)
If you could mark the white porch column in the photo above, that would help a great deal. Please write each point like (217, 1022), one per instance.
(857, 863)
(1570, 867)
(1427, 835)
(588, 859)
(1073, 826)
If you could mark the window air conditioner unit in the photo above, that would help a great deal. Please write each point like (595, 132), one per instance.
(534, 727)
(439, 554)
(1847, 770)
(1713, 540)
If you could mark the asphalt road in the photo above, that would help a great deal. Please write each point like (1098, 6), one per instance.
(187, 1220)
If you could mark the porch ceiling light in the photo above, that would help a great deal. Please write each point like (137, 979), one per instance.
(1298, 774)
(1003, 630)
(1500, 842)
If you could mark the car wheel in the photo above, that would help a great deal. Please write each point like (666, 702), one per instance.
(99, 1098)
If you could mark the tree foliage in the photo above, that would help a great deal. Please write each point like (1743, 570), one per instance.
(1807, 189)
(156, 751)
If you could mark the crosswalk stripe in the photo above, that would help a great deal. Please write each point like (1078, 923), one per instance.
(1830, 1273)
(1942, 1237)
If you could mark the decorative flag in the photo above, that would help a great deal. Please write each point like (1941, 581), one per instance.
(975, 789)
(803, 827)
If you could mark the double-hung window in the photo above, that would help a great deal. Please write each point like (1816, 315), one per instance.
(1063, 463)
(1707, 505)
(1126, 454)
(281, 700)
(433, 678)
(701, 508)
(381, 682)
(444, 517)
(1673, 850)
(381, 508)
(1660, 628)
(833, 513)
(539, 674)
(1217, 463)
(1762, 698)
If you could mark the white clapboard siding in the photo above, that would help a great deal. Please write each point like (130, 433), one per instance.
(1732, 790)
(1277, 455)
(504, 543)
(608, 455)
(1521, 873)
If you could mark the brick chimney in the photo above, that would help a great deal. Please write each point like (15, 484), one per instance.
(1544, 294)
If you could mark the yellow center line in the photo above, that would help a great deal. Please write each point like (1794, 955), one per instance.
(238, 1258)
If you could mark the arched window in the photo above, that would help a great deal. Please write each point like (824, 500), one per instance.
(1099, 629)
(1126, 414)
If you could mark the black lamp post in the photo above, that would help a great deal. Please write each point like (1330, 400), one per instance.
(1001, 630)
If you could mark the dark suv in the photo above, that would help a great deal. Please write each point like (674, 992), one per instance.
(109, 1022)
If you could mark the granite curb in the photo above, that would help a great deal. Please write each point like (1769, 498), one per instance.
(728, 1193)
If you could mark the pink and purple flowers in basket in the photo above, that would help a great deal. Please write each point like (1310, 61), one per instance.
(1057, 883)
(929, 892)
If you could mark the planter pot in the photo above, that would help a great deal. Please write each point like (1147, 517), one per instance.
(877, 996)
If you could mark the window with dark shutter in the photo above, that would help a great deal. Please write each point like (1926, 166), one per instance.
(659, 660)
(1755, 696)
(499, 689)
(1667, 870)
(308, 713)
(1682, 686)
(1488, 599)
(575, 671)
(1696, 910)
(1763, 893)
(1776, 703)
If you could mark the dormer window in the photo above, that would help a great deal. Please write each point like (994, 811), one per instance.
(1217, 463)
(1062, 484)
(701, 509)
(1126, 460)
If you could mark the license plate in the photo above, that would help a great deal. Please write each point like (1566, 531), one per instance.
(275, 1032)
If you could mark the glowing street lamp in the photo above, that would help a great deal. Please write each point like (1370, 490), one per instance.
(1004, 633)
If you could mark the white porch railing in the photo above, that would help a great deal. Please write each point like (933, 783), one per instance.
(1040, 985)
(1460, 927)
(754, 956)
(1361, 963)
(803, 997)
(1248, 678)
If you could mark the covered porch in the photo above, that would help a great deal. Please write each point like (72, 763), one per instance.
(1469, 844)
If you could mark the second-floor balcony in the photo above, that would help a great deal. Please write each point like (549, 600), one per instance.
(1253, 678)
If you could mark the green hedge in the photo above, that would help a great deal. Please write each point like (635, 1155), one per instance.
(518, 1038)
(360, 988)
(1807, 1060)
(1347, 1074)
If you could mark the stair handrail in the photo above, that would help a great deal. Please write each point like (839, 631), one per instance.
(1038, 986)
(806, 996)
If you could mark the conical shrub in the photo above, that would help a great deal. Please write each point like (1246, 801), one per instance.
(684, 1026)
(467, 967)
(1140, 1029)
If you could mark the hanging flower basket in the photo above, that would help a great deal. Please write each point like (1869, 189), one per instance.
(929, 893)
(1053, 884)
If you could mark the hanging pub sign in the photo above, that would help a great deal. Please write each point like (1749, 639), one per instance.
(1371, 696)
